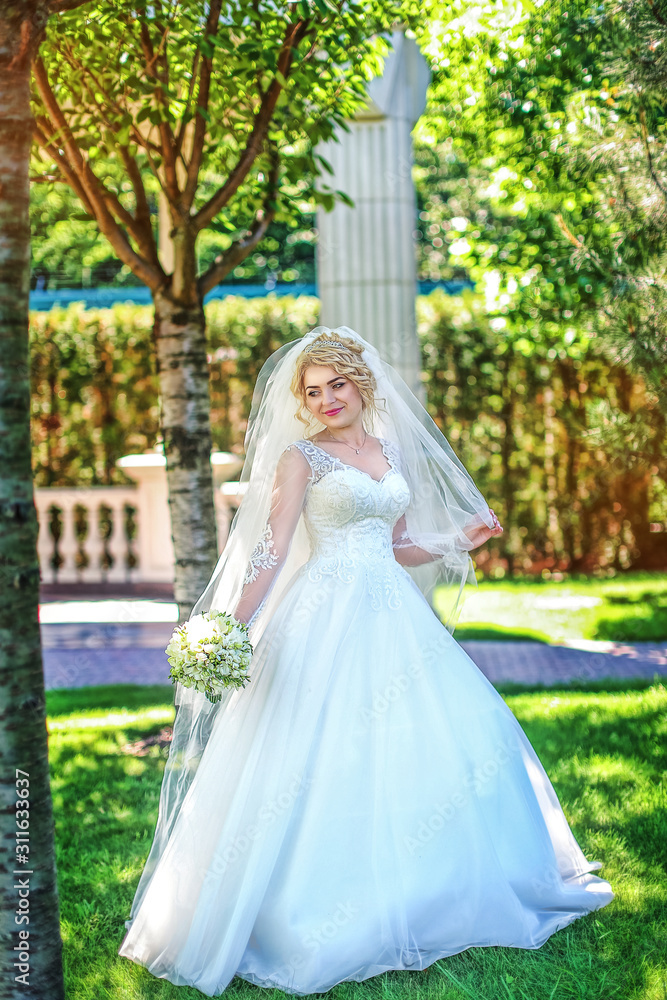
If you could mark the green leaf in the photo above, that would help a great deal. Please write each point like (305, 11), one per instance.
(345, 198)
(325, 163)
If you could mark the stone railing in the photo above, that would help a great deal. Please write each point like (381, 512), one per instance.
(122, 533)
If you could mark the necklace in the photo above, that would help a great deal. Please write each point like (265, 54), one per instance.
(349, 445)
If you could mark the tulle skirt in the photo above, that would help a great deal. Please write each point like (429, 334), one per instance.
(367, 803)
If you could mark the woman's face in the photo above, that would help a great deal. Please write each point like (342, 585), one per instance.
(332, 398)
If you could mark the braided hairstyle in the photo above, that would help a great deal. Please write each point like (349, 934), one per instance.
(345, 360)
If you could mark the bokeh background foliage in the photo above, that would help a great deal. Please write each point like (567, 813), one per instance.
(576, 493)
(541, 181)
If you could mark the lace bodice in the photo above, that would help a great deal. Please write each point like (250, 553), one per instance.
(348, 514)
(355, 524)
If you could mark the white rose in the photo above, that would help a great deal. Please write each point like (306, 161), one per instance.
(196, 628)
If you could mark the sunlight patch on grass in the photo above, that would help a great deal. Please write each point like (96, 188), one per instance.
(632, 608)
(110, 719)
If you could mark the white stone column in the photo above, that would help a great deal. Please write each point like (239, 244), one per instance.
(45, 540)
(93, 545)
(68, 545)
(366, 263)
(118, 572)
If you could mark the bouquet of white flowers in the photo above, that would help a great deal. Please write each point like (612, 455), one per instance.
(210, 652)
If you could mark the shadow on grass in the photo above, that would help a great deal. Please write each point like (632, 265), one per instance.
(600, 684)
(498, 633)
(585, 730)
(644, 618)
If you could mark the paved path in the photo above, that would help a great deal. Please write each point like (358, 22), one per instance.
(80, 655)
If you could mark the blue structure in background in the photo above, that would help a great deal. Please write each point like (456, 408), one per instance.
(102, 298)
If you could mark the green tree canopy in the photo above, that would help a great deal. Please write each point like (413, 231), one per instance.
(541, 167)
(170, 120)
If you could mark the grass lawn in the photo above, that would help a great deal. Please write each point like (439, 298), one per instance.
(627, 608)
(606, 753)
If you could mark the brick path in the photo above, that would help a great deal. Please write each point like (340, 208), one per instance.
(84, 655)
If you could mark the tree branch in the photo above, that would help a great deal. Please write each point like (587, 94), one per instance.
(96, 194)
(191, 89)
(238, 251)
(656, 13)
(85, 72)
(143, 213)
(59, 6)
(201, 124)
(122, 214)
(142, 235)
(567, 232)
(166, 135)
(57, 116)
(40, 132)
(207, 212)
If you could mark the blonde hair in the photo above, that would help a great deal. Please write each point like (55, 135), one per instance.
(345, 360)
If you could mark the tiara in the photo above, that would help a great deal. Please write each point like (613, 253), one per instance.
(324, 343)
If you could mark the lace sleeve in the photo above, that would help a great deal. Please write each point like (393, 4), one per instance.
(425, 546)
(272, 548)
(415, 552)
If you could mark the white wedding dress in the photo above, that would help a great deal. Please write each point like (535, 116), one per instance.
(368, 802)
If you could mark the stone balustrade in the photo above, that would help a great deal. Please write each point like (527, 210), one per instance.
(122, 534)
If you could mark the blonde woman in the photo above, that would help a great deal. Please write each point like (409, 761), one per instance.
(369, 802)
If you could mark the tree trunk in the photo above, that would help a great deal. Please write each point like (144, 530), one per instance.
(553, 532)
(28, 891)
(570, 413)
(180, 335)
(631, 489)
(508, 449)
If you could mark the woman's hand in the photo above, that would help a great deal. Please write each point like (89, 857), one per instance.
(480, 534)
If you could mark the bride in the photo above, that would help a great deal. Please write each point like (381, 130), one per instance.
(368, 802)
